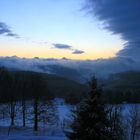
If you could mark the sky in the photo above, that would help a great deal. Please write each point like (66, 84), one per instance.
(55, 29)
(99, 37)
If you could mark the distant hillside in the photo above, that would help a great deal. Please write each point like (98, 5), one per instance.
(123, 86)
(58, 86)
(66, 72)
(124, 81)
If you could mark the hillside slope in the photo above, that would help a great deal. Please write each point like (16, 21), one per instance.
(123, 87)
(61, 87)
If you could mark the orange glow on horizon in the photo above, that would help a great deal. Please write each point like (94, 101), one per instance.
(47, 52)
(57, 54)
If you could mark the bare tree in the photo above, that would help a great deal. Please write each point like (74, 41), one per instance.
(39, 92)
(23, 89)
(36, 91)
(3, 111)
(134, 120)
(115, 117)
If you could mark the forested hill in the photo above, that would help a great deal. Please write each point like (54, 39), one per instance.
(124, 81)
(123, 86)
(47, 85)
(16, 85)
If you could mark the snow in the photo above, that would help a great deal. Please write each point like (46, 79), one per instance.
(20, 133)
(64, 111)
(31, 138)
(49, 132)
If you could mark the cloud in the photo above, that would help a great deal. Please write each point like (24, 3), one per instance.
(62, 46)
(120, 17)
(79, 70)
(68, 47)
(78, 52)
(65, 46)
(5, 30)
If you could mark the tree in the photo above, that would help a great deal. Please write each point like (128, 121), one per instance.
(5, 81)
(39, 92)
(134, 121)
(13, 98)
(51, 112)
(8, 86)
(91, 118)
(36, 89)
(24, 85)
(47, 113)
(116, 125)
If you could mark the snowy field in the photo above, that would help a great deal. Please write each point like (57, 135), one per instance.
(47, 131)
(20, 133)
(31, 138)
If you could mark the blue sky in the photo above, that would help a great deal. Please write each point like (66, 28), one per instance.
(42, 23)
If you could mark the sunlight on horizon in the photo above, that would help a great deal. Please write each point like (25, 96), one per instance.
(63, 25)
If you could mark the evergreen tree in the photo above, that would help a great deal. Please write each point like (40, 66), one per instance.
(91, 121)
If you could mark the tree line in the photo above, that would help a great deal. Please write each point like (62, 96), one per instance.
(92, 118)
(15, 88)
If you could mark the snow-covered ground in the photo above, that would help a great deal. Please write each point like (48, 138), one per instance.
(27, 133)
(47, 131)
(32, 138)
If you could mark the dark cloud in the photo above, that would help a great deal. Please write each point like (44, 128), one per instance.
(5, 30)
(62, 46)
(78, 52)
(120, 17)
(65, 46)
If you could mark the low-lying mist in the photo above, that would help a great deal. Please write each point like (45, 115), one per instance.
(79, 70)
